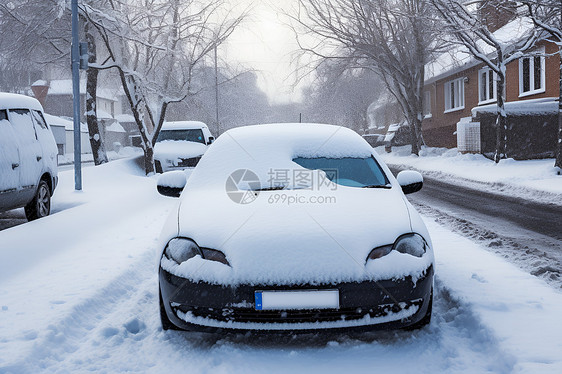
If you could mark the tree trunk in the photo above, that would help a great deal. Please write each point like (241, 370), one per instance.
(96, 140)
(501, 121)
(558, 162)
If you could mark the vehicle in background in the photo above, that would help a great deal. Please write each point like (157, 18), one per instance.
(28, 156)
(375, 140)
(180, 145)
(398, 134)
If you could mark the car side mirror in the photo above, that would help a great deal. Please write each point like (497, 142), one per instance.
(411, 181)
(171, 183)
(211, 140)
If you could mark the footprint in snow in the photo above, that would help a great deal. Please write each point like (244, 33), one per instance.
(478, 278)
(134, 326)
(108, 332)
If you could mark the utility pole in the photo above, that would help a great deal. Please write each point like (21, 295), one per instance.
(217, 92)
(79, 60)
(75, 58)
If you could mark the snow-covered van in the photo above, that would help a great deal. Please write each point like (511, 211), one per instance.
(180, 145)
(28, 156)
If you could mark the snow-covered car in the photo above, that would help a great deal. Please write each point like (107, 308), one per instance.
(28, 156)
(180, 145)
(292, 227)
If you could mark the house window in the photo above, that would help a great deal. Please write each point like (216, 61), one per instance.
(427, 104)
(486, 86)
(454, 95)
(532, 74)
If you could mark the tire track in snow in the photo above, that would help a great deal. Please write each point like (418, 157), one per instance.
(118, 330)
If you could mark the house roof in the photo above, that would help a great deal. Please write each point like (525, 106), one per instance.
(64, 87)
(459, 58)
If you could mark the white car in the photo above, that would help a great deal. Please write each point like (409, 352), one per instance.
(180, 145)
(28, 156)
(293, 227)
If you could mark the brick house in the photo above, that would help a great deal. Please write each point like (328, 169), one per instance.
(457, 85)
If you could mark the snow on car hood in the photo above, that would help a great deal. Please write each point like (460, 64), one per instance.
(176, 149)
(276, 243)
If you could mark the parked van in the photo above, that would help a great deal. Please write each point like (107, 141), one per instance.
(180, 145)
(28, 156)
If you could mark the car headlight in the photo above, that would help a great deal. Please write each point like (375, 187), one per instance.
(182, 249)
(412, 244)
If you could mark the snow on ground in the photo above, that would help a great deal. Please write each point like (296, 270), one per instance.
(68, 158)
(78, 292)
(532, 179)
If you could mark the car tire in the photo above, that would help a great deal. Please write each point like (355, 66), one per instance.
(166, 323)
(426, 318)
(40, 206)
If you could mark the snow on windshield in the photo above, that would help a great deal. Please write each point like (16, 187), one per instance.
(264, 148)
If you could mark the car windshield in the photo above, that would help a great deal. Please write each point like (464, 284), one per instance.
(191, 135)
(348, 171)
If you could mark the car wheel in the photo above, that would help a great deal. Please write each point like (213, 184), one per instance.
(40, 206)
(166, 323)
(426, 319)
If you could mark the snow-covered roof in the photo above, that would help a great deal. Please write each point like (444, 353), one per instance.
(459, 58)
(102, 114)
(40, 82)
(183, 125)
(66, 123)
(16, 101)
(125, 118)
(115, 127)
(64, 87)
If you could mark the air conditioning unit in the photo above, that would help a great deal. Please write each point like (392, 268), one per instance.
(468, 136)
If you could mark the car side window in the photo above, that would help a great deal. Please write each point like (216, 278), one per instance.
(3, 115)
(39, 119)
(22, 122)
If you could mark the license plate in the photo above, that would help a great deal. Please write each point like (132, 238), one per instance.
(298, 299)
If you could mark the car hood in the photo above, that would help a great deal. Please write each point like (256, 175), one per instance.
(296, 236)
(176, 149)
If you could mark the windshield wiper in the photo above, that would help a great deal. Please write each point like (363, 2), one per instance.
(386, 186)
(274, 188)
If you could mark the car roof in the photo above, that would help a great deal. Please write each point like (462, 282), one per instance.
(183, 125)
(16, 101)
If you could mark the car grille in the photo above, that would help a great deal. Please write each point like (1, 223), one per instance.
(189, 162)
(297, 316)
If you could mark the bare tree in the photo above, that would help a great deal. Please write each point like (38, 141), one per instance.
(470, 29)
(547, 15)
(156, 46)
(37, 33)
(394, 38)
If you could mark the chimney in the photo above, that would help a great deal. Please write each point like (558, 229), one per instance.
(40, 89)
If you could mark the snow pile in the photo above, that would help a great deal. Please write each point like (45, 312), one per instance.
(534, 179)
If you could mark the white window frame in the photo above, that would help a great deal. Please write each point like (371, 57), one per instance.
(427, 104)
(539, 53)
(458, 100)
(491, 97)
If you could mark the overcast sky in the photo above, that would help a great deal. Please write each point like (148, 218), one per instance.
(264, 43)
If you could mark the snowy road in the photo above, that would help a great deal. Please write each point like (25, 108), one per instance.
(78, 292)
(527, 232)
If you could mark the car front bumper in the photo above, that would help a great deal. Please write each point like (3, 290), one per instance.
(367, 305)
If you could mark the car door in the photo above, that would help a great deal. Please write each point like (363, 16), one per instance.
(9, 164)
(48, 144)
(29, 150)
